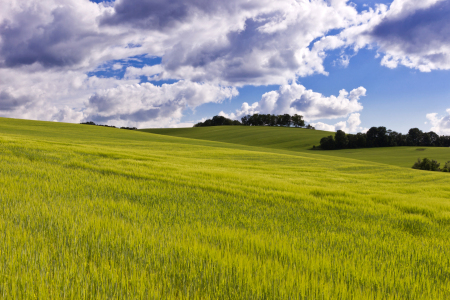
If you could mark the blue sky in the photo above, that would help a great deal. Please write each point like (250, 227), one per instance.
(396, 98)
(153, 63)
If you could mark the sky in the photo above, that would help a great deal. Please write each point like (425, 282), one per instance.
(346, 65)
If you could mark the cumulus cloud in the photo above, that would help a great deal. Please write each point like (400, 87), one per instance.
(440, 125)
(151, 105)
(349, 126)
(9, 102)
(234, 42)
(48, 47)
(415, 35)
(48, 33)
(296, 99)
(324, 126)
(412, 33)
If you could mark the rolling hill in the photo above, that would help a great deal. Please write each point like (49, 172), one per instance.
(302, 140)
(94, 212)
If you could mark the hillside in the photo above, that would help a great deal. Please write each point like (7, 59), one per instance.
(302, 140)
(295, 139)
(94, 212)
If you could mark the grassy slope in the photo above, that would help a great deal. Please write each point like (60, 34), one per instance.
(92, 212)
(301, 140)
(269, 137)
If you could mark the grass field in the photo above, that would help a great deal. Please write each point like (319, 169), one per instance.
(89, 212)
(302, 140)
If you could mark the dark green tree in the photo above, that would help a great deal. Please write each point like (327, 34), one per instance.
(352, 141)
(297, 121)
(415, 136)
(340, 139)
(361, 140)
(327, 143)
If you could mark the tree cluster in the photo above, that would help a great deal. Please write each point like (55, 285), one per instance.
(285, 120)
(381, 137)
(128, 128)
(92, 123)
(217, 121)
(430, 165)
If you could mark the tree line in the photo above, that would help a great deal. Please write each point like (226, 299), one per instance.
(381, 137)
(92, 123)
(285, 120)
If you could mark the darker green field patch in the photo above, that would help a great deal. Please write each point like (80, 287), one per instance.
(415, 210)
(325, 194)
(386, 200)
(415, 225)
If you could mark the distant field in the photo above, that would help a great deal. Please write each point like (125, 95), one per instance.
(295, 139)
(398, 156)
(89, 212)
(302, 140)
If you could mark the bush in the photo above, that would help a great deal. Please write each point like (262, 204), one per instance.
(446, 167)
(426, 164)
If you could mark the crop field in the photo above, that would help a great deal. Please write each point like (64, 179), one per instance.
(302, 140)
(89, 212)
(295, 139)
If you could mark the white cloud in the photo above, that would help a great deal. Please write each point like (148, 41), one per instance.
(441, 125)
(412, 33)
(349, 126)
(234, 42)
(323, 126)
(74, 97)
(296, 99)
(147, 105)
(48, 46)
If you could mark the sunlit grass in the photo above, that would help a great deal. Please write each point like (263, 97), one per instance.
(302, 140)
(95, 213)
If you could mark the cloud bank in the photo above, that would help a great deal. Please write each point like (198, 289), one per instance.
(49, 50)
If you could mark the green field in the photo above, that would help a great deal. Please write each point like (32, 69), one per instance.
(89, 212)
(302, 140)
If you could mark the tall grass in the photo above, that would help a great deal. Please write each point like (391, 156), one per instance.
(95, 213)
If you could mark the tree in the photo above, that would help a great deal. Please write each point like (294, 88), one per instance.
(382, 137)
(340, 140)
(434, 138)
(415, 136)
(426, 139)
(217, 121)
(221, 120)
(352, 141)
(327, 143)
(360, 140)
(245, 120)
(297, 121)
(371, 137)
